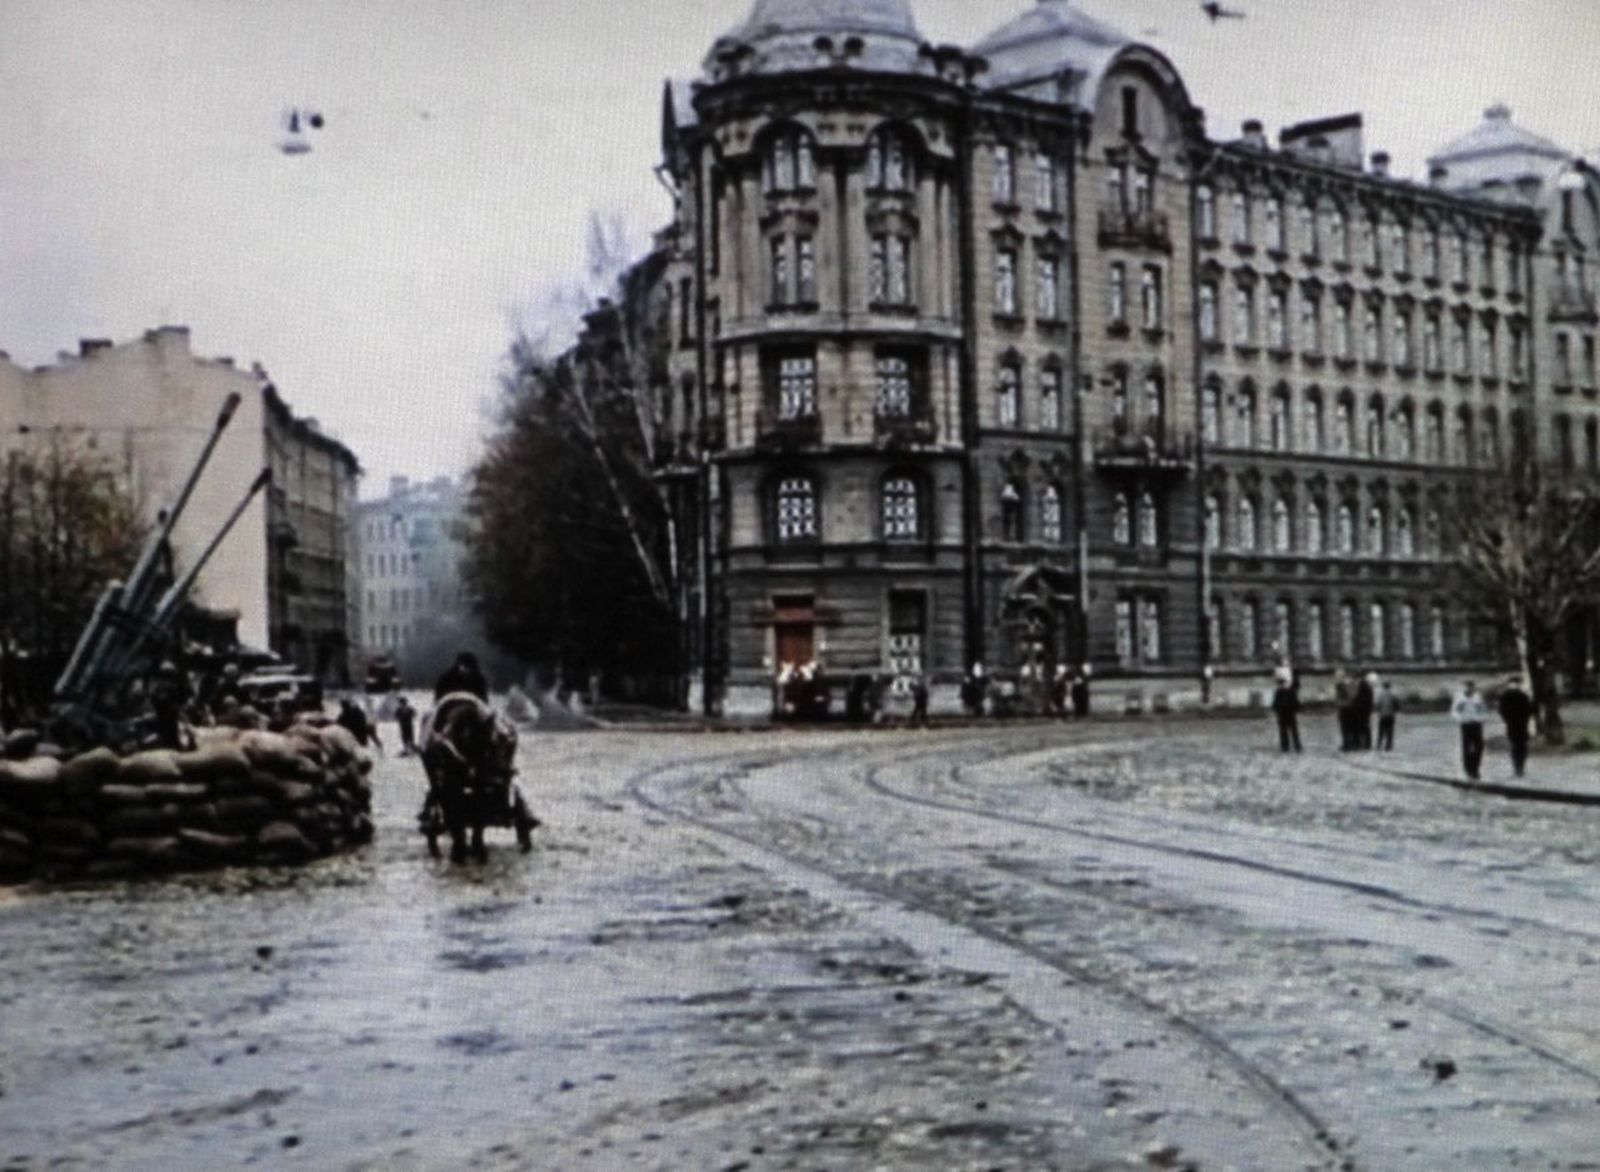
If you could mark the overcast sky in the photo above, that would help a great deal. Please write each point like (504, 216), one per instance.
(377, 278)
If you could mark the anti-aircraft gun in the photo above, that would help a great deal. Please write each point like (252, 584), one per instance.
(133, 620)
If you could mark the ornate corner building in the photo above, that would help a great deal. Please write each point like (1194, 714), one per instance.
(992, 356)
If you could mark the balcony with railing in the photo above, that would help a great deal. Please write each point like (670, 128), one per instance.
(1153, 449)
(1135, 227)
(780, 431)
(905, 429)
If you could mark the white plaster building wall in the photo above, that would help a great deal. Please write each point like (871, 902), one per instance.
(147, 407)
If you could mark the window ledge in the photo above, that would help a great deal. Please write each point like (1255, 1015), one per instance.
(1345, 363)
(1244, 248)
(1246, 349)
(776, 308)
(1118, 329)
(1010, 321)
(1311, 260)
(1313, 357)
(1153, 334)
(892, 309)
(1280, 353)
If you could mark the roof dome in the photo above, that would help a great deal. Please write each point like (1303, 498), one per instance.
(1497, 149)
(782, 36)
(1051, 39)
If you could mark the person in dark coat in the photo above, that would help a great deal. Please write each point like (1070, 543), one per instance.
(1286, 707)
(463, 676)
(1361, 710)
(1516, 709)
(919, 701)
(1080, 692)
(354, 718)
(406, 717)
(1343, 706)
(974, 689)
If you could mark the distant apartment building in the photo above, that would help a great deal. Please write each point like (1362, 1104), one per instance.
(146, 407)
(413, 605)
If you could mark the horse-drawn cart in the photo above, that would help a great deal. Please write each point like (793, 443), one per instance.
(469, 755)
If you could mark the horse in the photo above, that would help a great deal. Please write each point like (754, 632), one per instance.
(469, 755)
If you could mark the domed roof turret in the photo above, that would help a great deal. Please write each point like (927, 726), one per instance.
(782, 36)
(1046, 44)
(1497, 150)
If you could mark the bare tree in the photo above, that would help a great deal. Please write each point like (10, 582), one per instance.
(1527, 559)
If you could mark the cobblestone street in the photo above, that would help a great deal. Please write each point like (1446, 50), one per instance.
(1101, 946)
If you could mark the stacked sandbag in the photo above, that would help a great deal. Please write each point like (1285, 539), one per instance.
(239, 797)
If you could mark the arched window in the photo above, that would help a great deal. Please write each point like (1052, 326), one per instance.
(1433, 435)
(1379, 626)
(1213, 522)
(1408, 631)
(1346, 526)
(1154, 403)
(1316, 647)
(1249, 629)
(1215, 632)
(1211, 413)
(1050, 527)
(1344, 426)
(1489, 438)
(797, 509)
(1122, 520)
(1463, 437)
(1245, 538)
(1007, 402)
(1149, 522)
(1377, 534)
(1246, 437)
(1405, 434)
(889, 161)
(1371, 335)
(1436, 643)
(1206, 212)
(902, 512)
(1011, 521)
(1314, 437)
(1050, 398)
(1315, 526)
(1283, 628)
(1432, 537)
(1347, 630)
(1405, 536)
(1282, 527)
(790, 162)
(1375, 428)
(1281, 433)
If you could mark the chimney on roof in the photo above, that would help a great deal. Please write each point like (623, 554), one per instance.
(1253, 134)
(1437, 174)
(88, 346)
(1380, 164)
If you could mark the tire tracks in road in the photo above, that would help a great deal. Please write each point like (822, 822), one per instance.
(1313, 1132)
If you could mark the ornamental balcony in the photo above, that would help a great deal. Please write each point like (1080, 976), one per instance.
(778, 431)
(903, 431)
(1134, 228)
(1150, 450)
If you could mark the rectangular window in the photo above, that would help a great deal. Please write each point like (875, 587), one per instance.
(1244, 315)
(1050, 399)
(1150, 294)
(1044, 183)
(797, 386)
(1241, 218)
(1563, 359)
(806, 270)
(899, 270)
(1130, 111)
(1150, 630)
(1005, 177)
(907, 627)
(1049, 306)
(1275, 224)
(1005, 281)
(1124, 629)
(1314, 625)
(1311, 324)
(1117, 286)
(894, 397)
(1586, 373)
(1249, 630)
(1208, 311)
(1277, 320)
(780, 270)
(1341, 329)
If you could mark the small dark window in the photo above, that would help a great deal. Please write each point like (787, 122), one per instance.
(1130, 111)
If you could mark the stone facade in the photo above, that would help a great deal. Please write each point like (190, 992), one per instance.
(994, 356)
(146, 407)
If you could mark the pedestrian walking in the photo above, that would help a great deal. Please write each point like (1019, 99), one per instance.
(406, 717)
(1388, 707)
(1516, 709)
(1060, 689)
(973, 690)
(919, 701)
(1469, 712)
(1286, 707)
(354, 718)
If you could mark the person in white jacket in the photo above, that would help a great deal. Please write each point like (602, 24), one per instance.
(1469, 712)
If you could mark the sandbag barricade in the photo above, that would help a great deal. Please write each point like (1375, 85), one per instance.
(238, 798)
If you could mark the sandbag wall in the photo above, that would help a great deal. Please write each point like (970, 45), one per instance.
(237, 798)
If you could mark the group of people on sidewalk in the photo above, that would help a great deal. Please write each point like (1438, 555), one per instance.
(1358, 699)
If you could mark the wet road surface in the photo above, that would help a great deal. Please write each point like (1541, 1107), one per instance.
(1103, 947)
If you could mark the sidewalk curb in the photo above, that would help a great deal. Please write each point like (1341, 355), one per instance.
(1520, 793)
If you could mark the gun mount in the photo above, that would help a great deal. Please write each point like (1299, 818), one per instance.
(133, 621)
